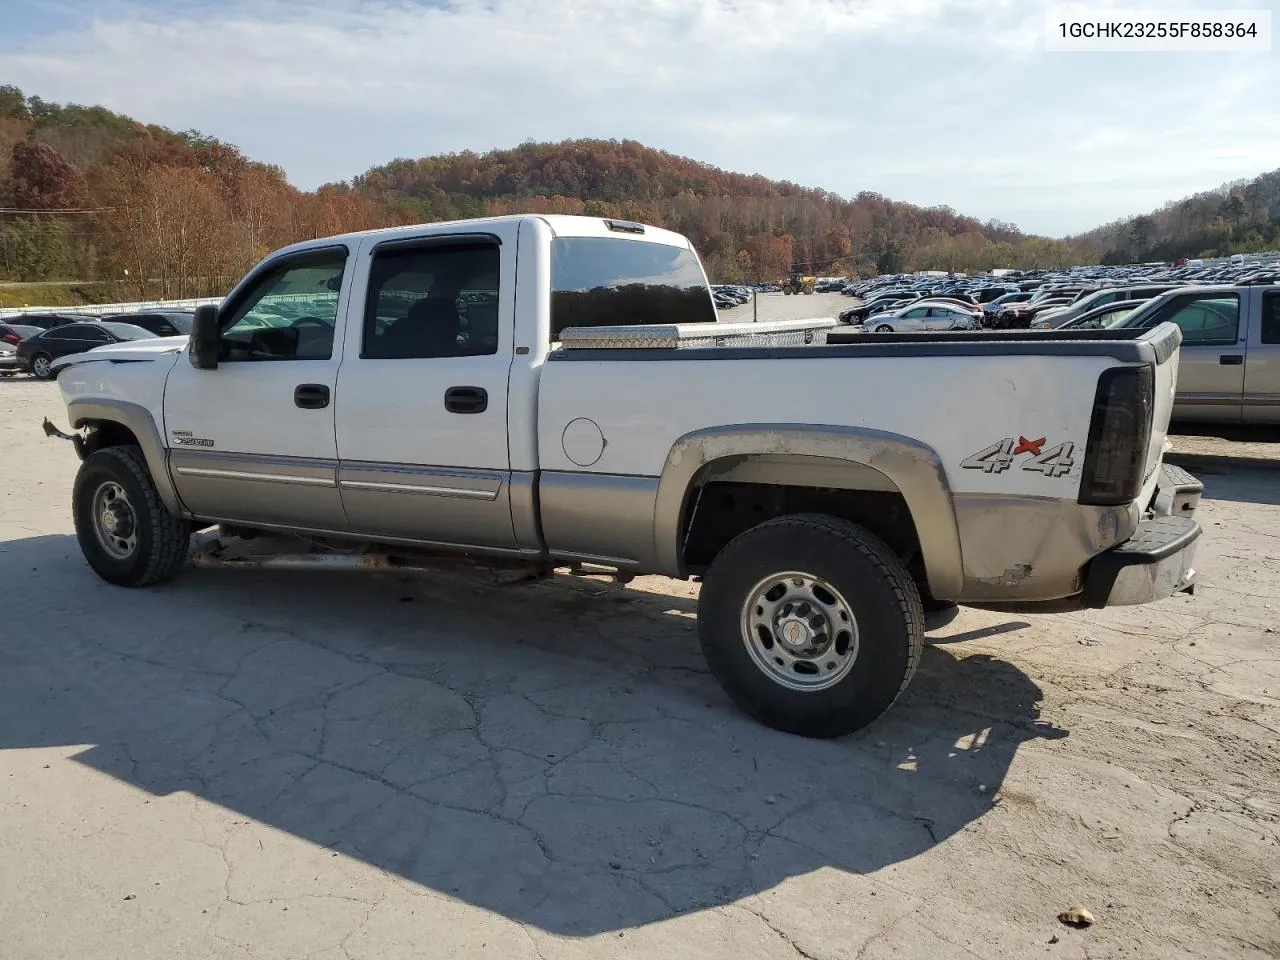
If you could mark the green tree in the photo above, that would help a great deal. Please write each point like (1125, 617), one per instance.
(13, 103)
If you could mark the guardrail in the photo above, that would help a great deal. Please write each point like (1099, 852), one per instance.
(101, 309)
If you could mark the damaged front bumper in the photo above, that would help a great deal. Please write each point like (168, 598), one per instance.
(77, 440)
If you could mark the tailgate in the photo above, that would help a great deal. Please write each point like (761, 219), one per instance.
(1164, 340)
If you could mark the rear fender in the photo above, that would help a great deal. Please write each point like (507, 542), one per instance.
(862, 458)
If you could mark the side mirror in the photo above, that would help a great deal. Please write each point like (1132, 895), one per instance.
(203, 348)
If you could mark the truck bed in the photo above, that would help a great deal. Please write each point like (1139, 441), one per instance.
(1126, 345)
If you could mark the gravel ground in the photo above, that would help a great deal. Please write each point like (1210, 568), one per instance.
(340, 768)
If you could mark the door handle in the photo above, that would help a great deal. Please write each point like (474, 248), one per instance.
(1231, 359)
(311, 396)
(466, 399)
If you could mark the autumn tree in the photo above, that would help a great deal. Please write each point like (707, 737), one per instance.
(40, 179)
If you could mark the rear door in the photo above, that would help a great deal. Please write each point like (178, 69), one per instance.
(422, 416)
(1211, 370)
(1262, 362)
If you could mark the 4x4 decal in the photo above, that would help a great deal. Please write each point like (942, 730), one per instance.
(999, 457)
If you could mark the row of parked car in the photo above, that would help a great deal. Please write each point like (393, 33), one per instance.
(729, 295)
(1229, 314)
(1084, 296)
(31, 342)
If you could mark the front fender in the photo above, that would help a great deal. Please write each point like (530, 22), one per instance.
(909, 465)
(138, 420)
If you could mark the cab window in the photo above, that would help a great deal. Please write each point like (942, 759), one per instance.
(1203, 318)
(1271, 318)
(611, 281)
(433, 301)
(289, 313)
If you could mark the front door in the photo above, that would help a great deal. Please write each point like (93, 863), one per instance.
(422, 426)
(1211, 369)
(252, 440)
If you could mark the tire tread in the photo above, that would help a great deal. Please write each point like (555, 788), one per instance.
(883, 560)
(170, 535)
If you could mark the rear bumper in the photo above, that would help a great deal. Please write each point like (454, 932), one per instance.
(1156, 562)
(1159, 559)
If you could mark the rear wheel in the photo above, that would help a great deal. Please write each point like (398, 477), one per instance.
(41, 366)
(811, 624)
(125, 532)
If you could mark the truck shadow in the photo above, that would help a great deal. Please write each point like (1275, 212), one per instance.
(555, 753)
(1243, 479)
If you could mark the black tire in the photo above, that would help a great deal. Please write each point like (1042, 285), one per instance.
(884, 328)
(162, 540)
(34, 362)
(873, 581)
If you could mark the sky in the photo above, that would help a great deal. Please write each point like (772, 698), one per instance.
(953, 102)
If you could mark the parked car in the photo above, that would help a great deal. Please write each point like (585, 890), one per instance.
(1004, 300)
(168, 323)
(916, 318)
(36, 354)
(1230, 366)
(46, 321)
(8, 359)
(1098, 298)
(972, 309)
(819, 520)
(14, 333)
(860, 313)
(1099, 318)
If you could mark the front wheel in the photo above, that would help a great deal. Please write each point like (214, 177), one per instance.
(884, 328)
(811, 624)
(41, 366)
(126, 533)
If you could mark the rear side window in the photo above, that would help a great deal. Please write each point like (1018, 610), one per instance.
(1204, 318)
(610, 281)
(1271, 318)
(432, 301)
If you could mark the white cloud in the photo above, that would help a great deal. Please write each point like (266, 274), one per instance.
(933, 101)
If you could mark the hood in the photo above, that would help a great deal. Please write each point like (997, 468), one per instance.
(130, 351)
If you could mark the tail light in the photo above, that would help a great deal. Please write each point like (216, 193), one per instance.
(1119, 434)
(11, 338)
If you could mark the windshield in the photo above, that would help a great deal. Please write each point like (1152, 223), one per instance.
(127, 331)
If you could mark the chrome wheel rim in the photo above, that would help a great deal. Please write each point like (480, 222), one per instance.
(40, 367)
(114, 522)
(884, 328)
(799, 631)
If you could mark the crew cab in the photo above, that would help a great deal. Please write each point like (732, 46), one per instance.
(1230, 366)
(534, 391)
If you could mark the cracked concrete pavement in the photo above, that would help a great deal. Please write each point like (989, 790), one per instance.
(240, 765)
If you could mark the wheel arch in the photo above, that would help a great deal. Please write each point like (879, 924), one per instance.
(814, 457)
(118, 422)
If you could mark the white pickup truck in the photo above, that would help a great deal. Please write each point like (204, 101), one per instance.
(542, 391)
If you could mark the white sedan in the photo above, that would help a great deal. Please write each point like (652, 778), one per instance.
(938, 316)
